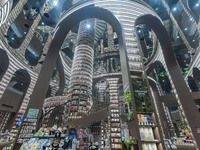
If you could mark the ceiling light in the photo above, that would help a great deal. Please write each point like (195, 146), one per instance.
(139, 31)
(174, 9)
(42, 23)
(177, 37)
(55, 3)
(193, 40)
(197, 5)
(186, 29)
(191, 19)
(12, 38)
(88, 26)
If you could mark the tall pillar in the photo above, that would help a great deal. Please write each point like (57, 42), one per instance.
(80, 84)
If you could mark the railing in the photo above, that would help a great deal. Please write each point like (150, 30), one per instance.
(60, 107)
(84, 1)
(74, 6)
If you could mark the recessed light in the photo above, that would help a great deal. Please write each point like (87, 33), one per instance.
(174, 9)
(88, 26)
(55, 3)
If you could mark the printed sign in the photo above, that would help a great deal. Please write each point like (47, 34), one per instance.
(141, 95)
(32, 113)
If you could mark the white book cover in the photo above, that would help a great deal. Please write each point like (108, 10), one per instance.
(144, 147)
(146, 134)
(151, 134)
(142, 134)
(154, 146)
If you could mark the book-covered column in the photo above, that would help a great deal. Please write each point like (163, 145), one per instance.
(80, 84)
(116, 142)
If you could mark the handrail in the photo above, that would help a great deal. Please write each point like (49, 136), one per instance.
(83, 1)
(143, 3)
(62, 105)
(73, 6)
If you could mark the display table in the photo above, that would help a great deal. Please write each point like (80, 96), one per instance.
(3, 144)
(106, 148)
(186, 147)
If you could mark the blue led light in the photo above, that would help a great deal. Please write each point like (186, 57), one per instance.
(174, 9)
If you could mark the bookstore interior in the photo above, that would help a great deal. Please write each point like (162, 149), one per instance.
(99, 75)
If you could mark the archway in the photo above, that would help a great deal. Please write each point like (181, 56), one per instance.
(18, 30)
(14, 94)
(62, 29)
(185, 23)
(148, 43)
(16, 33)
(90, 12)
(20, 81)
(158, 73)
(175, 76)
(35, 49)
(194, 7)
(158, 100)
(64, 26)
(4, 62)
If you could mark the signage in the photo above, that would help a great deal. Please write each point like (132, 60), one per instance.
(33, 113)
(141, 95)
